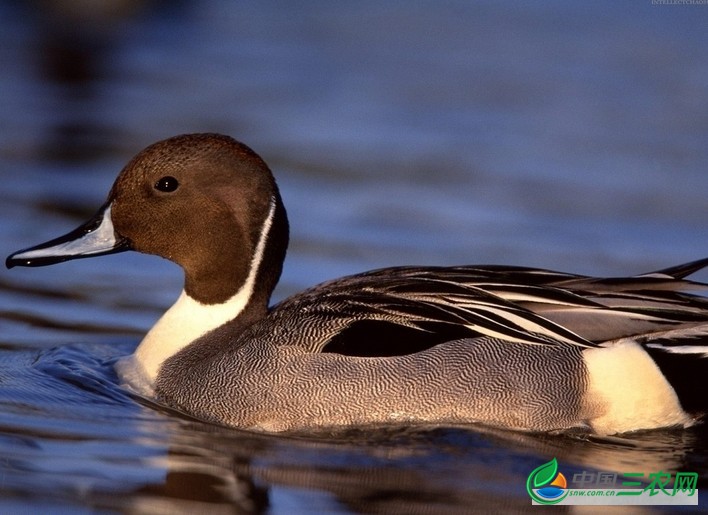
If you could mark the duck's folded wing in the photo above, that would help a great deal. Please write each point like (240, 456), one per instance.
(403, 310)
(629, 306)
(597, 309)
(407, 313)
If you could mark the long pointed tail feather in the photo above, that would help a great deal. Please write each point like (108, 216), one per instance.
(681, 271)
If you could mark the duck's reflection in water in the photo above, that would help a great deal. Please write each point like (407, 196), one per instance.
(388, 469)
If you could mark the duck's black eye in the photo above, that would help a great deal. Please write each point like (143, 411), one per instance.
(168, 184)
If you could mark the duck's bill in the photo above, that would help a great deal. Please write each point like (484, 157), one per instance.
(94, 238)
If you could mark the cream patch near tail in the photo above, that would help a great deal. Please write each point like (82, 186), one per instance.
(627, 391)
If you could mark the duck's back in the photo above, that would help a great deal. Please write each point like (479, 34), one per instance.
(499, 345)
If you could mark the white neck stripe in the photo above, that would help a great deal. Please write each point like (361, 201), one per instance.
(247, 288)
(189, 319)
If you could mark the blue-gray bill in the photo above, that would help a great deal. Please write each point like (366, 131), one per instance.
(94, 238)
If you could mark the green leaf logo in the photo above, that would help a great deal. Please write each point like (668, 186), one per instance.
(541, 477)
(544, 474)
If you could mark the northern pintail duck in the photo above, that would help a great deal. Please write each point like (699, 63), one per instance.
(513, 347)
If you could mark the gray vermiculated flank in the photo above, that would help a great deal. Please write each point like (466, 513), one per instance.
(475, 380)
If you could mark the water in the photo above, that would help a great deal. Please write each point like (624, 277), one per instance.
(558, 135)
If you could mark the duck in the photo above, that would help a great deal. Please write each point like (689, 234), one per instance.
(511, 347)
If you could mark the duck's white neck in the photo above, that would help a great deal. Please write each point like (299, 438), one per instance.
(183, 323)
(187, 320)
